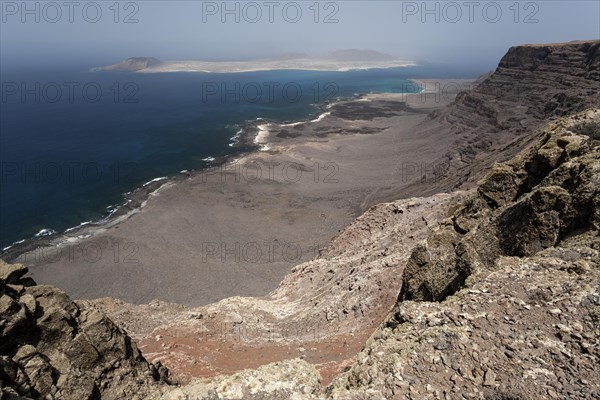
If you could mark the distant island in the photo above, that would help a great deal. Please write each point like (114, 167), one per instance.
(339, 60)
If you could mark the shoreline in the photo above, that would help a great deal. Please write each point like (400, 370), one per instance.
(185, 239)
(232, 67)
(265, 69)
(253, 137)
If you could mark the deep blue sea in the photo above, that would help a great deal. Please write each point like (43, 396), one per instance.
(72, 142)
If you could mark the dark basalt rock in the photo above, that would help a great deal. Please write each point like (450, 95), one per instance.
(52, 348)
(532, 85)
(522, 207)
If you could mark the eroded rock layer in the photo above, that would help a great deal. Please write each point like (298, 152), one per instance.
(499, 117)
(517, 271)
(51, 348)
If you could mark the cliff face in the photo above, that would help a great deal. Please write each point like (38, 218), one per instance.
(502, 306)
(550, 80)
(503, 114)
(500, 300)
(323, 311)
(533, 202)
(494, 293)
(531, 84)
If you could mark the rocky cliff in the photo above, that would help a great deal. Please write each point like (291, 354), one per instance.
(502, 115)
(501, 300)
(489, 293)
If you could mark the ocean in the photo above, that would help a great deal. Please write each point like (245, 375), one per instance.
(73, 142)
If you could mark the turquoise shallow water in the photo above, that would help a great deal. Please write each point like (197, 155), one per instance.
(73, 142)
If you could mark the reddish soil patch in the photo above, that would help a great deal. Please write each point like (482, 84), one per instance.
(190, 354)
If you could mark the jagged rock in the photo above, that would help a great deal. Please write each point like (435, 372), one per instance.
(534, 222)
(534, 201)
(11, 273)
(160, 372)
(500, 186)
(293, 379)
(499, 335)
(52, 348)
(436, 268)
(467, 216)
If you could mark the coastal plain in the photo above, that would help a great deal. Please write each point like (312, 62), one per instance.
(238, 228)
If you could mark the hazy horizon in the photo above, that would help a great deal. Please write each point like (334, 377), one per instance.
(476, 34)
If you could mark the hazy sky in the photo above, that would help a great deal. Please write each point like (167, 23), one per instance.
(103, 32)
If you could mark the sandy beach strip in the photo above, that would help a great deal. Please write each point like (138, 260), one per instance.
(273, 65)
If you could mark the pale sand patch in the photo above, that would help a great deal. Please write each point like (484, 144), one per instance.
(270, 65)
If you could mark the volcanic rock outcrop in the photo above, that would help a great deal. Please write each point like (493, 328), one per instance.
(500, 301)
(498, 118)
(51, 348)
(132, 64)
(528, 204)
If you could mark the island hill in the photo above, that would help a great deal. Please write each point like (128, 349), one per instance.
(339, 60)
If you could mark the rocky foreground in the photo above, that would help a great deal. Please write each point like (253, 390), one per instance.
(486, 293)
